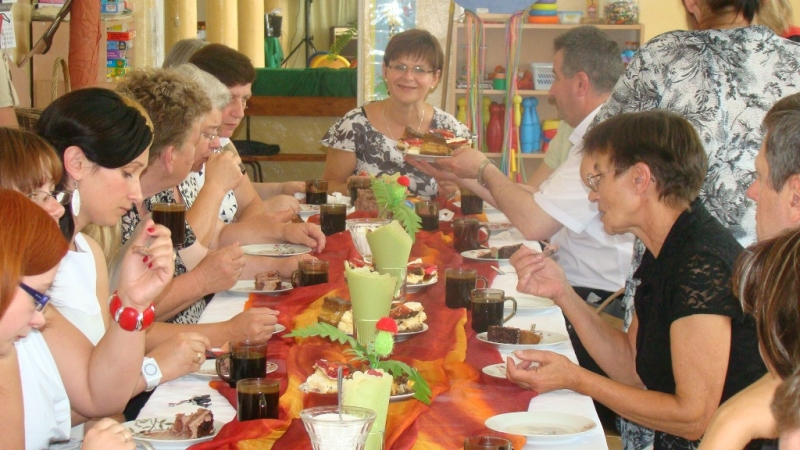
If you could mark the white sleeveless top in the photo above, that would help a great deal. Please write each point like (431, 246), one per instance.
(74, 291)
(47, 411)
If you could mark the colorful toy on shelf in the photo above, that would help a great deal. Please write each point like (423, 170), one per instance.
(530, 129)
(461, 115)
(494, 130)
(630, 50)
(526, 81)
(549, 130)
(543, 12)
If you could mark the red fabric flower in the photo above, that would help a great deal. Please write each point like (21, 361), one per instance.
(387, 324)
(403, 180)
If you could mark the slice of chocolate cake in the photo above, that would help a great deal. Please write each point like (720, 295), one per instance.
(409, 317)
(501, 252)
(503, 335)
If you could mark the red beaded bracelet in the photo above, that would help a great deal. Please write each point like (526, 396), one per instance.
(129, 319)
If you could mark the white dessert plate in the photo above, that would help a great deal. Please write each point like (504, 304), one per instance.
(531, 303)
(411, 288)
(142, 428)
(429, 158)
(495, 370)
(496, 227)
(393, 398)
(476, 255)
(542, 427)
(248, 287)
(209, 369)
(275, 249)
(549, 339)
(307, 211)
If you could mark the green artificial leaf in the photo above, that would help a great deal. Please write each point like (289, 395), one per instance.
(409, 219)
(324, 330)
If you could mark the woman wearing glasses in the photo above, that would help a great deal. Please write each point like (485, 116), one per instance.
(365, 139)
(689, 346)
(31, 247)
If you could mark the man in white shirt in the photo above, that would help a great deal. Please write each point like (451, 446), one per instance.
(586, 65)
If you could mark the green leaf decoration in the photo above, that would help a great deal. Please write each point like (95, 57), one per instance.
(422, 391)
(391, 196)
(324, 330)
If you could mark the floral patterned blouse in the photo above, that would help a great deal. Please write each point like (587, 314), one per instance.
(129, 222)
(723, 82)
(377, 154)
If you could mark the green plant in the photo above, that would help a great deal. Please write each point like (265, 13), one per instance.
(369, 355)
(340, 42)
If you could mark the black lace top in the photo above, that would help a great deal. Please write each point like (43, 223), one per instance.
(692, 275)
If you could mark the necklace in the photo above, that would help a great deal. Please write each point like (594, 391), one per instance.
(389, 128)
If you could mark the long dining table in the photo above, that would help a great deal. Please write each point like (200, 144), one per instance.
(448, 355)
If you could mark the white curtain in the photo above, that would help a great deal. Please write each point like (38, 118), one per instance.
(324, 15)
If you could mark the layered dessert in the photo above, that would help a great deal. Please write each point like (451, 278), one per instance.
(323, 380)
(410, 316)
(436, 142)
(268, 281)
(511, 335)
(500, 252)
(419, 273)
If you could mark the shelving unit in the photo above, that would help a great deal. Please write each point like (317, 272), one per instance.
(537, 47)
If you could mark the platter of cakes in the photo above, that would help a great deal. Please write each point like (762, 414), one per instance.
(179, 432)
(433, 145)
(264, 283)
(492, 254)
(277, 250)
(420, 275)
(410, 317)
(323, 381)
(510, 338)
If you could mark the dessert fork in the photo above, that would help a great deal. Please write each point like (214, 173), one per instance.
(199, 400)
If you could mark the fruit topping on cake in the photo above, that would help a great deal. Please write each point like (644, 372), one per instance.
(323, 380)
(268, 281)
(500, 253)
(332, 310)
(419, 273)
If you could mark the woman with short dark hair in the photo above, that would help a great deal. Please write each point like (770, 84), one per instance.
(689, 345)
(365, 139)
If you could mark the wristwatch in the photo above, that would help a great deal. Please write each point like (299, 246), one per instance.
(151, 373)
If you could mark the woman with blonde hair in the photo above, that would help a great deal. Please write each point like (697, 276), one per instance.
(777, 15)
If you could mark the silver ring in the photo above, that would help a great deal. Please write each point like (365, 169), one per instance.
(199, 357)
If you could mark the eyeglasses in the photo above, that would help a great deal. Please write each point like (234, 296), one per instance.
(39, 298)
(41, 197)
(210, 137)
(593, 180)
(417, 71)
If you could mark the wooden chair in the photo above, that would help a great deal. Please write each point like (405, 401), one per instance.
(611, 320)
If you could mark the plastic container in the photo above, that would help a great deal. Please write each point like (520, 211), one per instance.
(621, 12)
(570, 17)
(543, 76)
